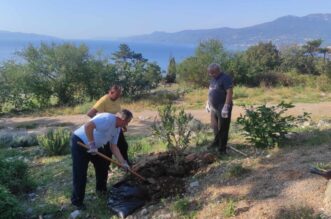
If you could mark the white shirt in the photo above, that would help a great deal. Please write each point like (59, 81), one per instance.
(105, 130)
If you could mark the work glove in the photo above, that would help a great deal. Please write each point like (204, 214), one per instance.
(225, 111)
(126, 167)
(92, 148)
(207, 107)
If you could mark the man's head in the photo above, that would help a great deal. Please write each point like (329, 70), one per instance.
(124, 118)
(214, 70)
(115, 92)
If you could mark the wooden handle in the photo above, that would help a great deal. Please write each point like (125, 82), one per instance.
(111, 160)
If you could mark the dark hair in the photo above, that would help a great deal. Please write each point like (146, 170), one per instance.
(126, 114)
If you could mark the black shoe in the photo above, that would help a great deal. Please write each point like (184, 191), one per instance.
(80, 206)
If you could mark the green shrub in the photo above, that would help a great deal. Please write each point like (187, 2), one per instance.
(173, 129)
(9, 206)
(14, 176)
(230, 208)
(55, 141)
(267, 126)
(181, 206)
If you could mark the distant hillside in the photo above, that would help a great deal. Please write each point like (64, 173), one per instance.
(17, 36)
(284, 30)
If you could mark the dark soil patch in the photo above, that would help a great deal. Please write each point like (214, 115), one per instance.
(169, 179)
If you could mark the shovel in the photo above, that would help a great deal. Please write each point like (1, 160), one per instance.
(150, 181)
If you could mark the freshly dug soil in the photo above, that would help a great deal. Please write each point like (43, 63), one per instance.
(168, 179)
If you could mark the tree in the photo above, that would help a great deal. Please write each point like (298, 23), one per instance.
(171, 74)
(262, 58)
(134, 73)
(194, 69)
(312, 47)
(57, 70)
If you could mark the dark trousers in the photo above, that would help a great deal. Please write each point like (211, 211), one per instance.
(80, 160)
(221, 128)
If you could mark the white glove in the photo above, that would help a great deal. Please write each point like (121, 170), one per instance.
(225, 111)
(126, 166)
(207, 107)
(92, 148)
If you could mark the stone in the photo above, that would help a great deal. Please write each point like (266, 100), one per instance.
(194, 184)
(75, 214)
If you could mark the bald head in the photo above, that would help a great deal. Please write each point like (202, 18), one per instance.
(214, 70)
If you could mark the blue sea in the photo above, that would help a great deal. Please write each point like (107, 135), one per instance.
(159, 53)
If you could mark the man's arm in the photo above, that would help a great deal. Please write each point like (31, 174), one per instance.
(114, 149)
(92, 112)
(229, 94)
(89, 127)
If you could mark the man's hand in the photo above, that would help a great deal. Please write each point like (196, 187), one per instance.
(225, 111)
(207, 107)
(126, 166)
(92, 148)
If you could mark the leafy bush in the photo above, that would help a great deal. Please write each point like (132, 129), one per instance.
(181, 206)
(267, 126)
(14, 176)
(173, 129)
(9, 206)
(55, 141)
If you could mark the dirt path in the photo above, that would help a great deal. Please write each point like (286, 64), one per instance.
(143, 120)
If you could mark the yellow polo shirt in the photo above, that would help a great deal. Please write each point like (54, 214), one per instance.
(105, 104)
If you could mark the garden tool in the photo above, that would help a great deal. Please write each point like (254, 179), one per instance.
(150, 181)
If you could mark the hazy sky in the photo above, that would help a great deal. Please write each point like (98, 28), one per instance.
(115, 18)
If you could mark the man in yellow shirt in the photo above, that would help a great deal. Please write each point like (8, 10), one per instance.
(109, 103)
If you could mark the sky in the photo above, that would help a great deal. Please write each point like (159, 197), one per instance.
(87, 19)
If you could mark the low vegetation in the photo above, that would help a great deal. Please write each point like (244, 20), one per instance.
(266, 126)
(55, 141)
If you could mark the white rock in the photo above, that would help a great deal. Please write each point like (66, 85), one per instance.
(144, 211)
(74, 214)
(194, 184)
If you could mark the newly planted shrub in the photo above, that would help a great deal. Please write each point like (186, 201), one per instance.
(55, 141)
(173, 129)
(9, 206)
(267, 126)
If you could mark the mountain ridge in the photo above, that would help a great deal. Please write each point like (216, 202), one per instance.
(284, 30)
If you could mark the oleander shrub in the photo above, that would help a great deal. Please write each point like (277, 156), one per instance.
(173, 129)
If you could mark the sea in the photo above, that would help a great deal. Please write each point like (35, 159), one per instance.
(159, 53)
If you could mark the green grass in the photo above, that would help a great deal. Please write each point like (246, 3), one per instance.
(229, 209)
